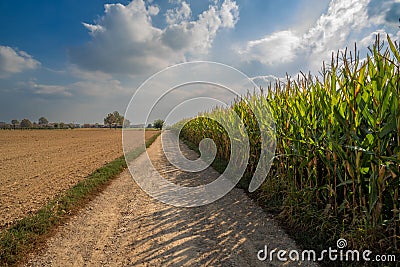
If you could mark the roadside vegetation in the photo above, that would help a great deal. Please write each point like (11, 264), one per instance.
(336, 173)
(28, 233)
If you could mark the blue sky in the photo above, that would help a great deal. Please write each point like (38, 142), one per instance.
(75, 61)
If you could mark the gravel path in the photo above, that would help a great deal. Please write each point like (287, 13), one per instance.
(123, 226)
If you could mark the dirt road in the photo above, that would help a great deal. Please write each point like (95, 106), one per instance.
(123, 226)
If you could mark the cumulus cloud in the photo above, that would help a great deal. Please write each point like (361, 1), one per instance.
(345, 22)
(104, 88)
(266, 81)
(341, 25)
(15, 61)
(80, 74)
(333, 28)
(87, 83)
(384, 11)
(95, 83)
(124, 39)
(370, 38)
(194, 38)
(43, 89)
(178, 14)
(229, 14)
(277, 47)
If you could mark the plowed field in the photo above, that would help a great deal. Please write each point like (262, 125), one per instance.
(37, 165)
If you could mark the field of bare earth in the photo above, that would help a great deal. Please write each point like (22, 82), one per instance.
(124, 226)
(37, 165)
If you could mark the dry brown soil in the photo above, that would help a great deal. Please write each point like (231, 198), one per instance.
(123, 226)
(36, 165)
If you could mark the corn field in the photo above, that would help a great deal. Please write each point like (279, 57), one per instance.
(336, 169)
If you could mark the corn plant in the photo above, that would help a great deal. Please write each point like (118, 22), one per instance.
(337, 162)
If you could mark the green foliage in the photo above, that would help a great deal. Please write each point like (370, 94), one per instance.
(43, 121)
(25, 123)
(158, 124)
(337, 164)
(114, 119)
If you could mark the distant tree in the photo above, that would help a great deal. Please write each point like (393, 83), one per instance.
(110, 120)
(61, 125)
(25, 123)
(14, 123)
(114, 119)
(43, 121)
(158, 124)
(149, 125)
(120, 119)
(127, 123)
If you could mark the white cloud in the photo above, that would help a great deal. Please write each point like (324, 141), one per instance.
(335, 30)
(45, 89)
(370, 38)
(88, 75)
(278, 47)
(229, 14)
(124, 39)
(265, 81)
(345, 22)
(95, 83)
(88, 83)
(339, 27)
(15, 61)
(194, 38)
(95, 88)
(153, 10)
(384, 12)
(93, 29)
(179, 14)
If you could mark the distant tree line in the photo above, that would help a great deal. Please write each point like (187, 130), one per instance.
(112, 120)
(116, 120)
(42, 123)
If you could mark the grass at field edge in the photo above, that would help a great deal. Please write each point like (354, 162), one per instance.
(31, 231)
